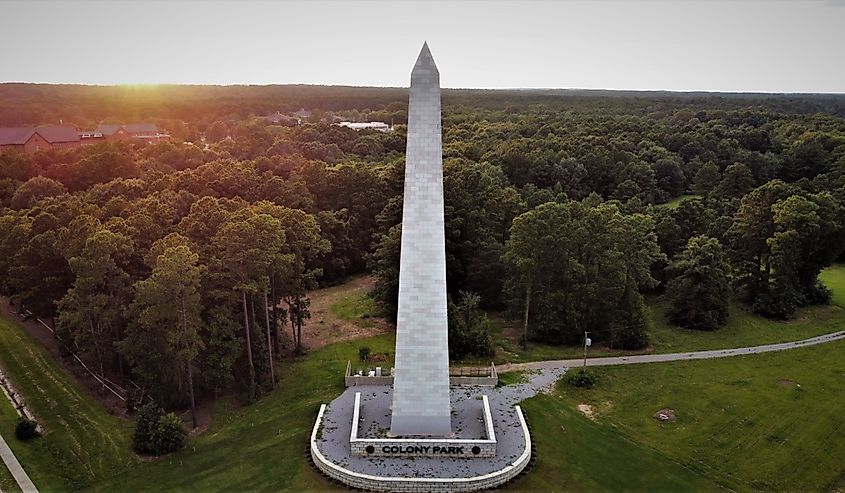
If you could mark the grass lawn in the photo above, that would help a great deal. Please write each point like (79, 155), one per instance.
(261, 447)
(834, 278)
(576, 454)
(357, 308)
(764, 422)
(674, 203)
(82, 443)
(743, 329)
(512, 378)
(743, 423)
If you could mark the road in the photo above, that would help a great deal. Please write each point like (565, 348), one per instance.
(658, 358)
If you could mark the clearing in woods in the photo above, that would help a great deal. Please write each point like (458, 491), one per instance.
(343, 312)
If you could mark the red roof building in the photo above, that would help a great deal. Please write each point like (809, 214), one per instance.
(34, 139)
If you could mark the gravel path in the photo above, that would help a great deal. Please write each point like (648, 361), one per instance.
(657, 358)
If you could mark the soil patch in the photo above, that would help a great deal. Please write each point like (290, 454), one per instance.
(786, 382)
(665, 415)
(326, 328)
(587, 410)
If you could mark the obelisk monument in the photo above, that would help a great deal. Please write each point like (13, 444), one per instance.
(421, 374)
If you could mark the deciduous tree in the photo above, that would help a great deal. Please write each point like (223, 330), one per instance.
(699, 291)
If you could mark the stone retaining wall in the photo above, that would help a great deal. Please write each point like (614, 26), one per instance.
(17, 400)
(419, 485)
(351, 380)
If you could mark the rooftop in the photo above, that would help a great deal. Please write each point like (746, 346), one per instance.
(50, 133)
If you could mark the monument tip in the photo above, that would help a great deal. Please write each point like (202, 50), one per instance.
(425, 58)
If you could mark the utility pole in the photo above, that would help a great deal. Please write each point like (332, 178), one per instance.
(587, 343)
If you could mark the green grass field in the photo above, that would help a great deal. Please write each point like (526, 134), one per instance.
(766, 422)
(743, 329)
(834, 278)
(674, 203)
(576, 454)
(357, 308)
(263, 446)
(733, 415)
(82, 443)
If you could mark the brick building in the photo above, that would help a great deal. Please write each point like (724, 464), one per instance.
(34, 139)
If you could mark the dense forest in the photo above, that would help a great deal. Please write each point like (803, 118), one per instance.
(186, 265)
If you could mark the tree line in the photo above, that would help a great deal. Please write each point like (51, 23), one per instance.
(190, 280)
(558, 216)
(186, 265)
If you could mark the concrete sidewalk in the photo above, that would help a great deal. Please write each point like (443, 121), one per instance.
(26, 484)
(657, 358)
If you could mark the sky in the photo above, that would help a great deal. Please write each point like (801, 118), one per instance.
(680, 45)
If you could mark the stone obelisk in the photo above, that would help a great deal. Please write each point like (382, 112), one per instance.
(421, 374)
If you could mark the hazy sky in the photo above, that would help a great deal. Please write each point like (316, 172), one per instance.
(750, 45)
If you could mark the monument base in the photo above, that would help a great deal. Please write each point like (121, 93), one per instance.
(424, 479)
(422, 426)
(492, 443)
(475, 443)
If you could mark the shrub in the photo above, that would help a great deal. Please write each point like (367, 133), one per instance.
(144, 428)
(26, 429)
(169, 434)
(779, 306)
(364, 353)
(817, 294)
(157, 433)
(583, 379)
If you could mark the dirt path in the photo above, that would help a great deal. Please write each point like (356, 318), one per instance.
(326, 327)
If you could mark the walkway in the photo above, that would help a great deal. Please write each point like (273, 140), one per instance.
(26, 484)
(657, 358)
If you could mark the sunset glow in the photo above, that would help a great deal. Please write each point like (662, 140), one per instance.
(748, 45)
